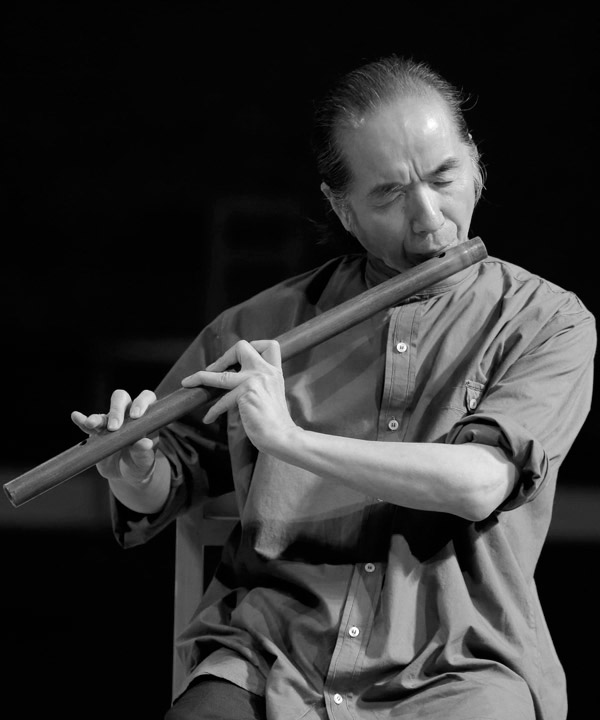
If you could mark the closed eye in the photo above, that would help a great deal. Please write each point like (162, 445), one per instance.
(388, 195)
(385, 192)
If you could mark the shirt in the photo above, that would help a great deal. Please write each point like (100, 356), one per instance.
(336, 605)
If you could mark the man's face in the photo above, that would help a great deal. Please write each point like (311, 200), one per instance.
(412, 195)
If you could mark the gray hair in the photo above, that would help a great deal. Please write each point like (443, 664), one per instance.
(363, 91)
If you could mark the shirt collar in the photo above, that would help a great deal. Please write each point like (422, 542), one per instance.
(376, 271)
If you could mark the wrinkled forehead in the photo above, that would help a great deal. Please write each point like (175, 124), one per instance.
(405, 115)
(416, 129)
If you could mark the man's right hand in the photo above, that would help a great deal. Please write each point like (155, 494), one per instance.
(132, 465)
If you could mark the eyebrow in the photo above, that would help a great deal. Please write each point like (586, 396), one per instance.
(451, 163)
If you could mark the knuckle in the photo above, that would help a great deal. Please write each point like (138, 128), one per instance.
(254, 383)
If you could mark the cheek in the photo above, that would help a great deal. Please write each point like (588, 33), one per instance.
(378, 235)
(466, 199)
(459, 209)
(464, 218)
(390, 223)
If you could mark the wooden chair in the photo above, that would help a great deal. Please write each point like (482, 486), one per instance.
(197, 532)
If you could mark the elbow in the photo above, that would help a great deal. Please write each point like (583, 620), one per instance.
(483, 497)
(487, 484)
(476, 509)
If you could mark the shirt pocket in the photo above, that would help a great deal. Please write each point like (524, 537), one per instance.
(473, 394)
(465, 398)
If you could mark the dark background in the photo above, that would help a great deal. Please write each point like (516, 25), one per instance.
(156, 169)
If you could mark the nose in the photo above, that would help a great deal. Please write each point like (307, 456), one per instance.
(425, 210)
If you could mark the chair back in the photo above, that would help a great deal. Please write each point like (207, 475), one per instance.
(201, 528)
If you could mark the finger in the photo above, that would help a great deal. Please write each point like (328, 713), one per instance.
(220, 374)
(270, 351)
(141, 403)
(119, 402)
(138, 459)
(79, 419)
(88, 423)
(239, 354)
(227, 360)
(97, 421)
(142, 453)
(223, 405)
(250, 354)
(224, 380)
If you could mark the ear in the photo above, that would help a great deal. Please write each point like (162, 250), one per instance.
(340, 209)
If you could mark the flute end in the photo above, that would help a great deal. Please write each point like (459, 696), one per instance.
(10, 494)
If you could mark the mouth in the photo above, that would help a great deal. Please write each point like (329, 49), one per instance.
(434, 248)
(439, 252)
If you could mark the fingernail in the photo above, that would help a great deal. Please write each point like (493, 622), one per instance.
(135, 412)
(112, 424)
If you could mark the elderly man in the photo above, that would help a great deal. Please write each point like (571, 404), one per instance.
(395, 483)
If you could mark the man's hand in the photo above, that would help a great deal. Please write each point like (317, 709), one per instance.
(133, 464)
(257, 390)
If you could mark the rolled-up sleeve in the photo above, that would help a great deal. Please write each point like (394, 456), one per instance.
(536, 403)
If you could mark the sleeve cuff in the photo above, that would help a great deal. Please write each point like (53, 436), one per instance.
(132, 528)
(520, 447)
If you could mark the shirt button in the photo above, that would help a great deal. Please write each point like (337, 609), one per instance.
(354, 632)
(472, 404)
(393, 424)
(338, 699)
(369, 567)
(401, 347)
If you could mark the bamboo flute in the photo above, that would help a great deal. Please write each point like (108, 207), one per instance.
(90, 451)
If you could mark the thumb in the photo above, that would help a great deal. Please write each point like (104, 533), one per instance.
(270, 351)
(138, 461)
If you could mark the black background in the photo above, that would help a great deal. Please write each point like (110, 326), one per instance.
(127, 129)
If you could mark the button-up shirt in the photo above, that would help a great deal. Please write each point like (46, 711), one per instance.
(336, 605)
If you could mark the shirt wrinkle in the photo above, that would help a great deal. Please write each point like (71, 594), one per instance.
(338, 606)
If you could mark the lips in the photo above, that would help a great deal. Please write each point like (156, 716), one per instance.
(424, 247)
(430, 250)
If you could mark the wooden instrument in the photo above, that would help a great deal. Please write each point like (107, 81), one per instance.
(90, 451)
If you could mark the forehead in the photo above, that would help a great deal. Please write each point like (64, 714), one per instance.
(401, 139)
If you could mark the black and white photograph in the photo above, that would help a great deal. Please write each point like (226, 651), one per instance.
(299, 312)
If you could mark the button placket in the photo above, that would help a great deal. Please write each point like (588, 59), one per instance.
(353, 631)
(398, 384)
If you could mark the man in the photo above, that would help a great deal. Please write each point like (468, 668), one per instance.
(395, 483)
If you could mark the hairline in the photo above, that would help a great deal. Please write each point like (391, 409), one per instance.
(354, 120)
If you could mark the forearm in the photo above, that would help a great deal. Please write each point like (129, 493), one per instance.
(149, 495)
(468, 480)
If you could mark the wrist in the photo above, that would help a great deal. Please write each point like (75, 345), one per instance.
(285, 442)
(146, 494)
